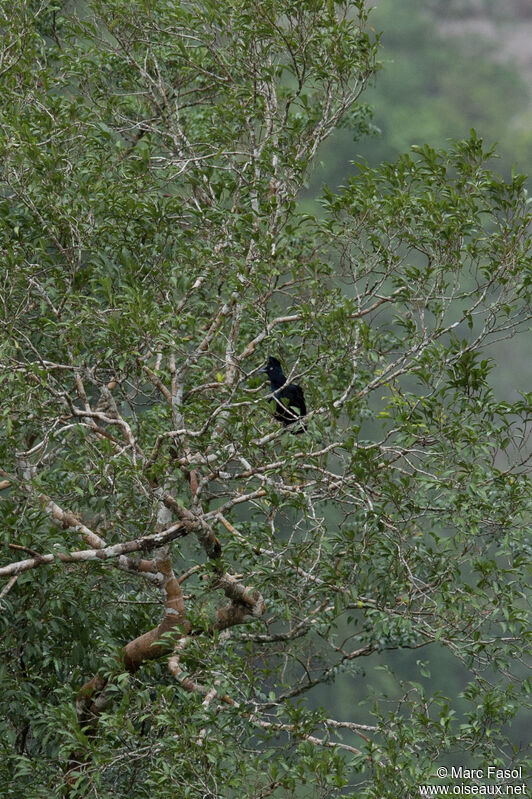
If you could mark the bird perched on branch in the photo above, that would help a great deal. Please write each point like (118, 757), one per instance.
(289, 400)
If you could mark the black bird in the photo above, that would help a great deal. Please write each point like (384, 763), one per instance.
(288, 397)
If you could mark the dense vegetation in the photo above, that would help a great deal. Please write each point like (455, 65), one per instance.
(185, 581)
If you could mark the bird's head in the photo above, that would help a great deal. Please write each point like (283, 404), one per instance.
(273, 368)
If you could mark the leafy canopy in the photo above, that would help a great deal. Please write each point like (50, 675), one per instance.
(152, 155)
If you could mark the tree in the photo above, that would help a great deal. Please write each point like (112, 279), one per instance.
(181, 573)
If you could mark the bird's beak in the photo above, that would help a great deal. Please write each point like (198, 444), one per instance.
(263, 371)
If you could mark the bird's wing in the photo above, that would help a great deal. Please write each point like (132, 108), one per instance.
(295, 398)
(300, 400)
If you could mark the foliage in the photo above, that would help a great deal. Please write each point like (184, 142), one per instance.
(152, 158)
